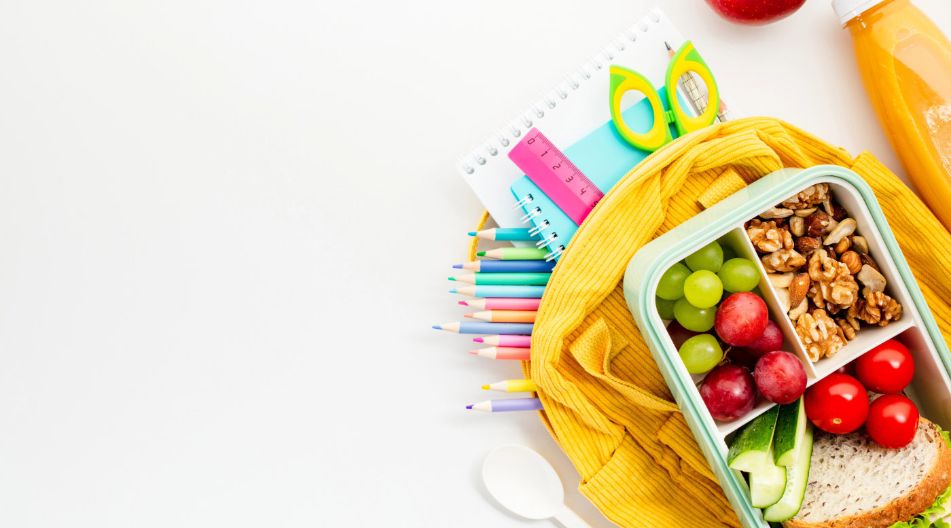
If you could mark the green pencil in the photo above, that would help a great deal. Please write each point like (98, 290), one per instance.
(498, 279)
(515, 253)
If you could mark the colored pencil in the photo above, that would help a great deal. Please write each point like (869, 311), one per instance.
(515, 253)
(513, 353)
(518, 341)
(503, 304)
(503, 279)
(532, 292)
(505, 233)
(515, 385)
(507, 266)
(504, 316)
(508, 405)
(466, 327)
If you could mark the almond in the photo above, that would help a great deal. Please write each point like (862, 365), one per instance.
(798, 288)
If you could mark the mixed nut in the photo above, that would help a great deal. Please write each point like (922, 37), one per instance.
(821, 269)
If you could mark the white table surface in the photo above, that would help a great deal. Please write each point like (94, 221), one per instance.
(225, 229)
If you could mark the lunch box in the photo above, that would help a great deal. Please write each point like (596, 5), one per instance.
(931, 386)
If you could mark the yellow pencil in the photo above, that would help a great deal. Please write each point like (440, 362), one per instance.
(517, 385)
(504, 316)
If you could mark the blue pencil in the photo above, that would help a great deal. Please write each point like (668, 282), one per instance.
(487, 328)
(505, 233)
(507, 266)
(526, 292)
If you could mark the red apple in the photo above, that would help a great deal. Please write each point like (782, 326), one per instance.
(755, 12)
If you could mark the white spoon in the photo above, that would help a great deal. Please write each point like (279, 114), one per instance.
(524, 482)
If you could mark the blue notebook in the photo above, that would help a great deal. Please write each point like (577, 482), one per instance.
(603, 156)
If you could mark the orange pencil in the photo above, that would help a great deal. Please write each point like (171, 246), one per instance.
(504, 316)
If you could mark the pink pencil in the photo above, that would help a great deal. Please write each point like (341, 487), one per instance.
(496, 303)
(519, 354)
(521, 341)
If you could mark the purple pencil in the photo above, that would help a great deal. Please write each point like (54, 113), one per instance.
(517, 341)
(511, 404)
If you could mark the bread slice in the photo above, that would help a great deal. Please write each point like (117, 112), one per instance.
(855, 483)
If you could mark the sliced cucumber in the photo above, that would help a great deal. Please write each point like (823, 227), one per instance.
(767, 484)
(797, 476)
(751, 450)
(790, 430)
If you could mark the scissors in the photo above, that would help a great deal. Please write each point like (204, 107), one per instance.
(686, 60)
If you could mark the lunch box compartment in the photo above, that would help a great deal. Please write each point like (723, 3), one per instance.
(725, 222)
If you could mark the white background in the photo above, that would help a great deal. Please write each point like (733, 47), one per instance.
(225, 228)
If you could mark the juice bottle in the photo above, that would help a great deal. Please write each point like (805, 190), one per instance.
(905, 62)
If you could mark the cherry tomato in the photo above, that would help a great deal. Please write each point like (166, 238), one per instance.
(887, 368)
(892, 421)
(837, 404)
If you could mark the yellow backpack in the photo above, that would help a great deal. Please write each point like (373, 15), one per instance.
(606, 403)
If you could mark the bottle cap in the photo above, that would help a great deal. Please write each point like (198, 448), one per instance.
(848, 9)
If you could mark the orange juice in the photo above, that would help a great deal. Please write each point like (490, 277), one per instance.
(905, 62)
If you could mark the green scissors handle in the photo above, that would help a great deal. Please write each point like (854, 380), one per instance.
(686, 60)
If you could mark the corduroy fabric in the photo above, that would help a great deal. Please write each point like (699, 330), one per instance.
(606, 403)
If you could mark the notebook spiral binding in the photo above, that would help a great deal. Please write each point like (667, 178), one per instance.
(571, 83)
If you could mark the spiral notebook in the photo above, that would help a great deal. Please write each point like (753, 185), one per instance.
(575, 116)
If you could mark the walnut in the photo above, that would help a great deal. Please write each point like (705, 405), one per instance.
(822, 267)
(848, 330)
(877, 308)
(817, 223)
(812, 195)
(783, 260)
(767, 237)
(852, 260)
(834, 287)
(820, 334)
(806, 245)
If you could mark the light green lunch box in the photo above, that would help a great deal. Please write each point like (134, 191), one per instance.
(931, 387)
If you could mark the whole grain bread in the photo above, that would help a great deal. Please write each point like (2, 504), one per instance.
(855, 483)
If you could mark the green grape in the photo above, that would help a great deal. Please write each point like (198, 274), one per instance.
(701, 353)
(709, 257)
(739, 275)
(703, 289)
(671, 285)
(693, 318)
(665, 309)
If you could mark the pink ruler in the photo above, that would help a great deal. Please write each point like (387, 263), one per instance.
(555, 175)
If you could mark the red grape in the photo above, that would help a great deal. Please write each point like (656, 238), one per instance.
(728, 392)
(780, 377)
(772, 339)
(741, 319)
